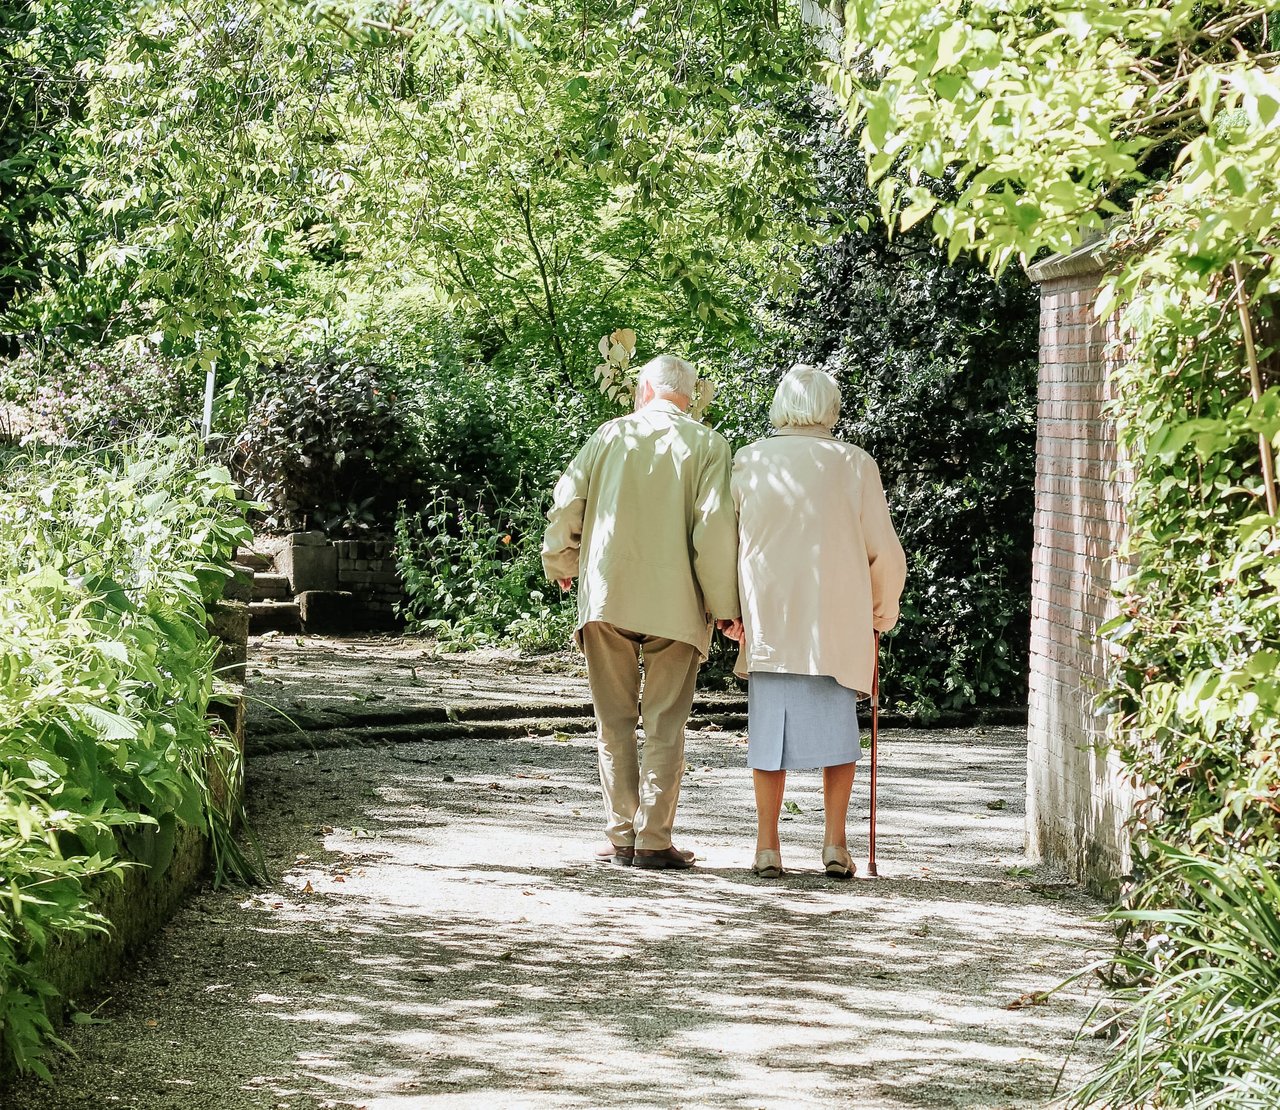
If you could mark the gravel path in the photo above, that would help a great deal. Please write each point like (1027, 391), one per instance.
(437, 936)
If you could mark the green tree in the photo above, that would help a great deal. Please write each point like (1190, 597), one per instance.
(42, 97)
(244, 168)
(644, 168)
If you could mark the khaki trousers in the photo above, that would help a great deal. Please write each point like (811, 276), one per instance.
(640, 795)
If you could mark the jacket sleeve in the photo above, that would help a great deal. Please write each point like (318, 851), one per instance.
(884, 552)
(562, 542)
(715, 535)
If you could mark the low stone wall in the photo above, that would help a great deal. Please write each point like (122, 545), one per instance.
(136, 908)
(140, 905)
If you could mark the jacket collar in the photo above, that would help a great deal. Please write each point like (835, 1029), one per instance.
(660, 404)
(815, 430)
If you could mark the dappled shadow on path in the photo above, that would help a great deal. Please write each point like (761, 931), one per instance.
(439, 936)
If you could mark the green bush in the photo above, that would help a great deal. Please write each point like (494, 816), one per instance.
(473, 576)
(329, 442)
(107, 566)
(96, 399)
(338, 439)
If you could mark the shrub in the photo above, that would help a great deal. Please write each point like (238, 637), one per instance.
(487, 437)
(107, 566)
(329, 443)
(474, 577)
(96, 399)
(338, 440)
(937, 365)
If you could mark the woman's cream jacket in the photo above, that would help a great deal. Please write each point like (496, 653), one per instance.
(819, 564)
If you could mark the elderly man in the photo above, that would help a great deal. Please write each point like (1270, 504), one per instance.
(643, 518)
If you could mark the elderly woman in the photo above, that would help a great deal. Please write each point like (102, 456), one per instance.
(820, 570)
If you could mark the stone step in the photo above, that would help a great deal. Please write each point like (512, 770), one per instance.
(254, 560)
(274, 616)
(282, 732)
(381, 711)
(328, 610)
(270, 587)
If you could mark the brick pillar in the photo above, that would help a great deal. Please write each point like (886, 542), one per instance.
(1077, 802)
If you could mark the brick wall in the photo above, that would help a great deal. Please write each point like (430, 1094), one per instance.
(1076, 800)
(367, 568)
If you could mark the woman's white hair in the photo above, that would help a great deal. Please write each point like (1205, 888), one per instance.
(805, 396)
(668, 374)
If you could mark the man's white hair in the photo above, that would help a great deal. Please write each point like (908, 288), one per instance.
(668, 374)
(805, 396)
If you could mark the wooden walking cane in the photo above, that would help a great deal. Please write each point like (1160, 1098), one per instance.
(875, 730)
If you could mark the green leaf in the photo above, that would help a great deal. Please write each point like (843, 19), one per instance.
(109, 725)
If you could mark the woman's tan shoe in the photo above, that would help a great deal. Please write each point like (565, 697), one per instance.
(768, 864)
(836, 862)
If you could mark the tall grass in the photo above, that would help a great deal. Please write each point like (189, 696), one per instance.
(1199, 1024)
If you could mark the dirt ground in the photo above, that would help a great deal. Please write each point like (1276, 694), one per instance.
(436, 933)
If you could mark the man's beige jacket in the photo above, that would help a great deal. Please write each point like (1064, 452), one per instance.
(642, 517)
(819, 564)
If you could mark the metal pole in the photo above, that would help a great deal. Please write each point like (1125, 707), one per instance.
(875, 736)
(206, 425)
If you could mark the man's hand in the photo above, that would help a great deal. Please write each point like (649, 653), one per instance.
(731, 629)
(565, 584)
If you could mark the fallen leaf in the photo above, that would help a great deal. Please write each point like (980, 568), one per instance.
(1031, 998)
(308, 889)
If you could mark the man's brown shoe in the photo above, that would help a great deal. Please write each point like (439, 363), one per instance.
(663, 859)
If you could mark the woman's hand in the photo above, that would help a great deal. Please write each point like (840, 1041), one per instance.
(731, 629)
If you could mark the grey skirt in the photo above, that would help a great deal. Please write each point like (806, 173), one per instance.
(800, 721)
